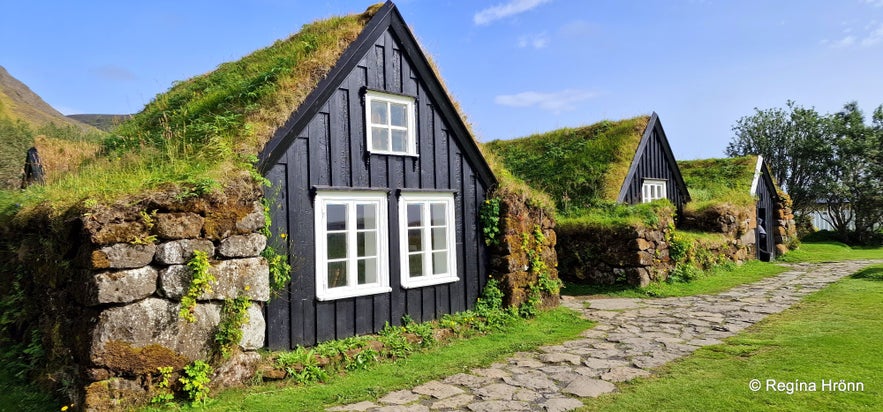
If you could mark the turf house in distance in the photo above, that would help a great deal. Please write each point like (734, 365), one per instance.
(742, 187)
(627, 161)
(376, 181)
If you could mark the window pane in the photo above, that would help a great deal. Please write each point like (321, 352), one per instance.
(415, 216)
(367, 271)
(439, 263)
(415, 265)
(439, 238)
(378, 112)
(380, 138)
(414, 243)
(336, 217)
(336, 274)
(437, 210)
(367, 244)
(336, 245)
(398, 114)
(399, 141)
(366, 216)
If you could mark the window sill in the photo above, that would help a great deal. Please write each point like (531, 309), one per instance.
(352, 293)
(429, 281)
(375, 152)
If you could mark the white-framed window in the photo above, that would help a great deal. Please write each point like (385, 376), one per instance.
(427, 239)
(391, 124)
(351, 244)
(653, 189)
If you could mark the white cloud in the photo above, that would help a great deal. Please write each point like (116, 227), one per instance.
(555, 102)
(501, 11)
(537, 41)
(844, 42)
(873, 3)
(874, 37)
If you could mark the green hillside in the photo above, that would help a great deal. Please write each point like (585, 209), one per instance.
(579, 167)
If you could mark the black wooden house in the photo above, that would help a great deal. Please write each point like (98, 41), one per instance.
(377, 181)
(653, 173)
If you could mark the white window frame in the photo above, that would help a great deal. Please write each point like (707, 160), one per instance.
(351, 199)
(653, 189)
(411, 128)
(428, 279)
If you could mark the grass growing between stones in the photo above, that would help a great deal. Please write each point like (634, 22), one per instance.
(832, 335)
(711, 281)
(549, 327)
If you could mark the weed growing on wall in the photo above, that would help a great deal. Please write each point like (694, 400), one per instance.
(234, 314)
(280, 268)
(164, 395)
(200, 283)
(489, 217)
(196, 379)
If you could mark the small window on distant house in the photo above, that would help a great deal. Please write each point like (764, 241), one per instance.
(390, 123)
(428, 244)
(351, 243)
(653, 189)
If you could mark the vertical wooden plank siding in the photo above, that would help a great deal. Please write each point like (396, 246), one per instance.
(278, 322)
(331, 152)
(653, 164)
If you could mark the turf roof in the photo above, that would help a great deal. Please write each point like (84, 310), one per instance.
(579, 167)
(717, 181)
(206, 127)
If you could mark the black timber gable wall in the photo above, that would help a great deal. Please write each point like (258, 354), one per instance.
(330, 151)
(654, 160)
(766, 199)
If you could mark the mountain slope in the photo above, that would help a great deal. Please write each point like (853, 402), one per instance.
(28, 121)
(17, 101)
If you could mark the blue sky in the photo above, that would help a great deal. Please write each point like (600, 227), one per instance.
(517, 67)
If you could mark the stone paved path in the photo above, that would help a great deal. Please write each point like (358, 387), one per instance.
(632, 336)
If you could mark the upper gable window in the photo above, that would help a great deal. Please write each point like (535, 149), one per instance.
(391, 125)
(653, 189)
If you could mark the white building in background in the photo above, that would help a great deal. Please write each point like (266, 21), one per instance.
(822, 221)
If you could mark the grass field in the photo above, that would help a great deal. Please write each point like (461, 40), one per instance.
(832, 335)
(713, 281)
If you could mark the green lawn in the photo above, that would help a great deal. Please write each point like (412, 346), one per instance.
(831, 251)
(832, 335)
(713, 281)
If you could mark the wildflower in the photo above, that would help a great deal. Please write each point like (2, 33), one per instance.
(283, 235)
(247, 288)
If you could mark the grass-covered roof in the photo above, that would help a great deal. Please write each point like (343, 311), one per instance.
(579, 167)
(718, 181)
(208, 127)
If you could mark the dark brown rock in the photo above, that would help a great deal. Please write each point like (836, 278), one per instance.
(178, 225)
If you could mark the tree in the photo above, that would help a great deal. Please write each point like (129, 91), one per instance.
(833, 159)
(793, 143)
(853, 186)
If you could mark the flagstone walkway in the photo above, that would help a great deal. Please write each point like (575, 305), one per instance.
(631, 337)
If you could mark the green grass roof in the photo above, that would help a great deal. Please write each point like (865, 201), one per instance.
(208, 127)
(579, 167)
(718, 181)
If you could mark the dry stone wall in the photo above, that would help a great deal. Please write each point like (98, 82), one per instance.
(604, 255)
(104, 290)
(525, 230)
